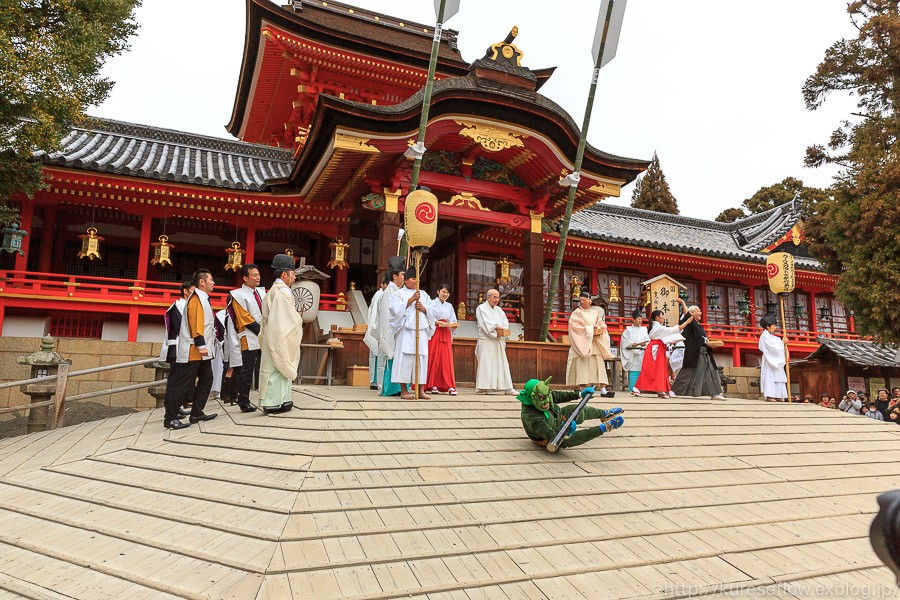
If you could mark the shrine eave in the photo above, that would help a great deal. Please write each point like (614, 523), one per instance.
(344, 27)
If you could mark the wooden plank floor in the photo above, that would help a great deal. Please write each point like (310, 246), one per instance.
(357, 497)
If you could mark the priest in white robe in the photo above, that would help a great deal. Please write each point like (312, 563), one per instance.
(492, 371)
(371, 337)
(586, 366)
(280, 337)
(631, 347)
(772, 375)
(383, 328)
(406, 327)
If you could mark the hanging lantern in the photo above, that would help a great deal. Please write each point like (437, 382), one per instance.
(576, 286)
(90, 244)
(743, 305)
(503, 264)
(647, 297)
(798, 310)
(682, 293)
(338, 254)
(12, 238)
(420, 215)
(161, 252)
(824, 312)
(770, 308)
(712, 301)
(235, 255)
(290, 253)
(614, 291)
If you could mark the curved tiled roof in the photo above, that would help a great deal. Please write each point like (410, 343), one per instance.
(858, 352)
(109, 146)
(741, 240)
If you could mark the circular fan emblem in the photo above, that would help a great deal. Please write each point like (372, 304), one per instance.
(303, 299)
(772, 270)
(425, 213)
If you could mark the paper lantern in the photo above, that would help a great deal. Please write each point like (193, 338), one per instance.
(90, 245)
(235, 255)
(780, 272)
(420, 218)
(306, 295)
(161, 252)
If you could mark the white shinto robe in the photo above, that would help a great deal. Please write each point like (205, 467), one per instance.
(371, 338)
(282, 332)
(632, 336)
(492, 373)
(772, 377)
(585, 364)
(403, 326)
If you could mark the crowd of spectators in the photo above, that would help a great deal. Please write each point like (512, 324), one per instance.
(885, 407)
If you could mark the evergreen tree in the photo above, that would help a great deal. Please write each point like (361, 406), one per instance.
(730, 215)
(651, 192)
(856, 231)
(51, 53)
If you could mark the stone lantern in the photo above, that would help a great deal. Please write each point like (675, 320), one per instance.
(43, 362)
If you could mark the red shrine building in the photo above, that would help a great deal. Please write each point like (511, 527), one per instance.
(328, 101)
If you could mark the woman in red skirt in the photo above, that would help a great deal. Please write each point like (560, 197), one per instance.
(441, 377)
(655, 368)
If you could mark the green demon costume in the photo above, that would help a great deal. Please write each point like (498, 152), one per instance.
(542, 416)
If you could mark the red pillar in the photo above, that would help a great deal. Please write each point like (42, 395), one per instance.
(48, 236)
(388, 228)
(533, 283)
(2, 314)
(462, 258)
(813, 318)
(25, 215)
(736, 356)
(144, 251)
(132, 323)
(703, 302)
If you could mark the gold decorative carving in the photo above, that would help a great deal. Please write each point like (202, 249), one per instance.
(610, 189)
(508, 52)
(465, 200)
(354, 143)
(536, 221)
(492, 137)
(391, 200)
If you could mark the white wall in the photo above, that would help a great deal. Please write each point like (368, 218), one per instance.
(17, 326)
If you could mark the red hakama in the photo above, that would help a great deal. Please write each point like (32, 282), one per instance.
(440, 360)
(654, 371)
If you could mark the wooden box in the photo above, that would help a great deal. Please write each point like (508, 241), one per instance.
(358, 376)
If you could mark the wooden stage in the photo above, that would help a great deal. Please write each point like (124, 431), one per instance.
(354, 497)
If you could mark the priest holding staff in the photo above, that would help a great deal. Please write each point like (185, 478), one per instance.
(772, 376)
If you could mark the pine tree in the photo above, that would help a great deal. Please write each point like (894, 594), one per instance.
(730, 215)
(51, 53)
(651, 192)
(856, 231)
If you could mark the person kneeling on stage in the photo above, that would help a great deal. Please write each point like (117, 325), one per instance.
(542, 417)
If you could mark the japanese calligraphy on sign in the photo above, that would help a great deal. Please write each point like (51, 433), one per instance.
(780, 272)
(664, 297)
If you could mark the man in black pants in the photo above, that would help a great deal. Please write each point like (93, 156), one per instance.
(245, 306)
(173, 318)
(194, 376)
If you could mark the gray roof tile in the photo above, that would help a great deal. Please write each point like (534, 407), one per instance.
(859, 352)
(128, 149)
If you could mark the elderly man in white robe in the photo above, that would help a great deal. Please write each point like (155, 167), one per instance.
(772, 376)
(586, 366)
(492, 373)
(281, 334)
(405, 305)
(376, 367)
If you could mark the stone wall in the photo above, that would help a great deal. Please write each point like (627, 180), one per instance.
(85, 354)
(743, 389)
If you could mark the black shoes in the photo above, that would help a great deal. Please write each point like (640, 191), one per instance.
(203, 417)
(609, 395)
(247, 408)
(274, 410)
(175, 424)
(183, 413)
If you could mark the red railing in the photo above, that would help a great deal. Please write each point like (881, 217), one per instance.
(559, 321)
(126, 291)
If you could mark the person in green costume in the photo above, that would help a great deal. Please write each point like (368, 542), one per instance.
(542, 416)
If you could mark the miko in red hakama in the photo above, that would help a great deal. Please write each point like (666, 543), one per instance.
(441, 376)
(655, 369)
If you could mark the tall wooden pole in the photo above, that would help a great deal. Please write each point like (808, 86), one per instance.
(418, 255)
(787, 358)
(573, 187)
(419, 149)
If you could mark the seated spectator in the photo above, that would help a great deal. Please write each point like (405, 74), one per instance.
(850, 403)
(894, 414)
(832, 403)
(895, 392)
(873, 413)
(808, 399)
(824, 399)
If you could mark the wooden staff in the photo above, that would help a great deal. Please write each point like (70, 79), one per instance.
(787, 358)
(418, 255)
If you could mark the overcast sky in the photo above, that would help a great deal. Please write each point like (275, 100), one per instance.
(713, 87)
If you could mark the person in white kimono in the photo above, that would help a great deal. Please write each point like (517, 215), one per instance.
(404, 305)
(218, 361)
(371, 337)
(631, 347)
(492, 371)
(281, 334)
(383, 333)
(772, 376)
(586, 366)
(232, 357)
